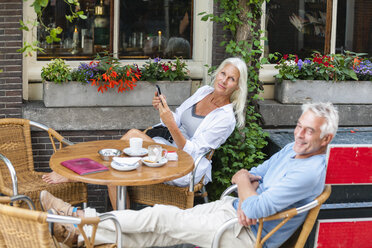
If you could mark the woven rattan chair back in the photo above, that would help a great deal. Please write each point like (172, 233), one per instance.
(166, 194)
(16, 145)
(24, 228)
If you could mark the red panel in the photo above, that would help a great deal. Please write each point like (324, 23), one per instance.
(349, 165)
(355, 234)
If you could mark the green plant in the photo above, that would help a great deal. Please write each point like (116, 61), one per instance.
(57, 71)
(335, 67)
(244, 147)
(158, 70)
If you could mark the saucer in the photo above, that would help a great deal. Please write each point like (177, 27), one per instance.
(162, 162)
(124, 167)
(130, 152)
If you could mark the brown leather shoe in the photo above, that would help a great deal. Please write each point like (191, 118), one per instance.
(65, 234)
(48, 201)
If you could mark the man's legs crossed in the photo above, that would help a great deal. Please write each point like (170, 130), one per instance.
(167, 225)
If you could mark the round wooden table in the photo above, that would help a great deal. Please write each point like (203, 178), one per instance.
(143, 175)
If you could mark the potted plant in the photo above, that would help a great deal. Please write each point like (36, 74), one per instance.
(106, 82)
(337, 78)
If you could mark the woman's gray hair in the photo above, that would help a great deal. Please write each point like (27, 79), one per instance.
(239, 96)
(327, 111)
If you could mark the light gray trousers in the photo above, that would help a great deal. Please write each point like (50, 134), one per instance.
(163, 225)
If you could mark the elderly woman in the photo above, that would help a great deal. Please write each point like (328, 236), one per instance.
(203, 122)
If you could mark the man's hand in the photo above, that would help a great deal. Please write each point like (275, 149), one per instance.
(243, 175)
(244, 220)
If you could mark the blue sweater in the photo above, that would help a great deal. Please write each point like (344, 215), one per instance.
(286, 183)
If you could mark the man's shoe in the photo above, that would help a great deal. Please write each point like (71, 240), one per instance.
(48, 201)
(65, 234)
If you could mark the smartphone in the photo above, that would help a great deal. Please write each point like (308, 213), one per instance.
(158, 88)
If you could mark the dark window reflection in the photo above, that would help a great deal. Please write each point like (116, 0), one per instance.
(156, 28)
(81, 39)
(354, 26)
(295, 27)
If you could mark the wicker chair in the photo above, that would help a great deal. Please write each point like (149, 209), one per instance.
(28, 228)
(182, 197)
(19, 176)
(299, 238)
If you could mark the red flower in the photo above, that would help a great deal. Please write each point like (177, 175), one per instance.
(296, 60)
(165, 67)
(285, 56)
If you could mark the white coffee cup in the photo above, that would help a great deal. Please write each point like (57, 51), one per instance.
(156, 153)
(135, 144)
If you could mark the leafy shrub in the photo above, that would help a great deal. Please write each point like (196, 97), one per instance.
(158, 70)
(57, 71)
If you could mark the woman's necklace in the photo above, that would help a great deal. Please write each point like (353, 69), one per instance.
(216, 102)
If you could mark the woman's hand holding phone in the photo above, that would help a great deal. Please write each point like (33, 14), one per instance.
(156, 100)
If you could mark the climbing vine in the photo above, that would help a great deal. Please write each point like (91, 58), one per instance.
(52, 33)
(243, 149)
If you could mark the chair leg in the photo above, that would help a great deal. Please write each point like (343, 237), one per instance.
(204, 194)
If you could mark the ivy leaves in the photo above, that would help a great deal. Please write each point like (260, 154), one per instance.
(244, 147)
(52, 32)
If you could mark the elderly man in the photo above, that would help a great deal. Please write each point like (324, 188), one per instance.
(292, 177)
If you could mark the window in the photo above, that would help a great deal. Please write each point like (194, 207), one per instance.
(296, 27)
(354, 26)
(300, 27)
(147, 28)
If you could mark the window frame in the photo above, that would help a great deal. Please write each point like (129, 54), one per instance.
(268, 71)
(201, 54)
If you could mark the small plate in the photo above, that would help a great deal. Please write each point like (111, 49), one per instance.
(122, 167)
(140, 152)
(162, 162)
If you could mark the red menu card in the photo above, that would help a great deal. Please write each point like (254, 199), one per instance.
(84, 166)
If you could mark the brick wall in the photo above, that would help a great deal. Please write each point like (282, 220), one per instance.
(10, 59)
(218, 54)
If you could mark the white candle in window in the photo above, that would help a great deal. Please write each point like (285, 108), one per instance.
(75, 37)
(159, 37)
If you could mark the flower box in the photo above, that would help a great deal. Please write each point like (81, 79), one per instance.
(76, 94)
(341, 92)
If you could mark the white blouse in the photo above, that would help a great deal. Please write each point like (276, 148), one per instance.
(212, 132)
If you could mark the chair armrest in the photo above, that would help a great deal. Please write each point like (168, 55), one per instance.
(151, 127)
(217, 236)
(12, 172)
(88, 221)
(229, 190)
(53, 133)
(108, 216)
(192, 177)
(10, 199)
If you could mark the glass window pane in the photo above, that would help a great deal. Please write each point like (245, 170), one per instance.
(354, 26)
(81, 39)
(295, 27)
(156, 28)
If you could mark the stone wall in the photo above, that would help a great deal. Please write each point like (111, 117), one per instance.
(10, 59)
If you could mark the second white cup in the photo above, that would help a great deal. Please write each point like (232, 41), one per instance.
(135, 144)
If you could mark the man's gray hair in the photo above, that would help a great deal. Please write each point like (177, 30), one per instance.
(327, 111)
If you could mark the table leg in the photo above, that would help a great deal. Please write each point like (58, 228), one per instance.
(121, 197)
